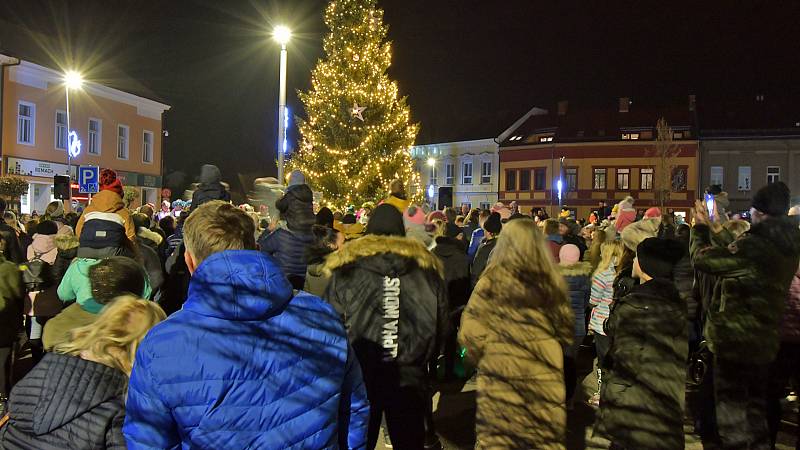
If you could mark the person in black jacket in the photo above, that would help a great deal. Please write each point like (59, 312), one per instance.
(452, 251)
(210, 187)
(12, 250)
(392, 295)
(75, 397)
(491, 228)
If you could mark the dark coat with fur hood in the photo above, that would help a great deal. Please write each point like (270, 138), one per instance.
(391, 294)
(579, 282)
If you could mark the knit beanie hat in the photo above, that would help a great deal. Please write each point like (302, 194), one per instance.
(652, 213)
(493, 224)
(415, 215)
(386, 220)
(55, 209)
(452, 230)
(296, 177)
(47, 227)
(110, 182)
(434, 215)
(773, 199)
(325, 217)
(657, 256)
(569, 254)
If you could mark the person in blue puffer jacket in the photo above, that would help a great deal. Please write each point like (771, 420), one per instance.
(292, 236)
(245, 363)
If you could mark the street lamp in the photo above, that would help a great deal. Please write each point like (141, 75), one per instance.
(72, 80)
(282, 35)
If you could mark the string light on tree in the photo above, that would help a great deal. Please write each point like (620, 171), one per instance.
(347, 155)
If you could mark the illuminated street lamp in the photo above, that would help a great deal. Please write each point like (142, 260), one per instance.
(72, 80)
(282, 34)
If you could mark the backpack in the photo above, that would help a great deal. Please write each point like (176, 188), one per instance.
(37, 274)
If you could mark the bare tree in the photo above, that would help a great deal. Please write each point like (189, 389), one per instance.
(665, 153)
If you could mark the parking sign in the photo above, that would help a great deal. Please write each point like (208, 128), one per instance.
(89, 179)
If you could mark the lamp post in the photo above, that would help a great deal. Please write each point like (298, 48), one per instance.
(431, 187)
(72, 80)
(282, 35)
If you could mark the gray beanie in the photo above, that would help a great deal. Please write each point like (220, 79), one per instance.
(296, 178)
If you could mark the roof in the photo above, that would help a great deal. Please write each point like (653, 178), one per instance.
(595, 122)
(474, 124)
(759, 115)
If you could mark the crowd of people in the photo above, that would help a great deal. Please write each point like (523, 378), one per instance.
(210, 325)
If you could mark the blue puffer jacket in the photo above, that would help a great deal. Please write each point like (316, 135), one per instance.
(579, 278)
(288, 248)
(245, 364)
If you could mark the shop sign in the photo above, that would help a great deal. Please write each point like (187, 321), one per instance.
(35, 168)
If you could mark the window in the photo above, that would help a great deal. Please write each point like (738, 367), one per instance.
(26, 123)
(466, 173)
(599, 180)
(546, 139)
(773, 174)
(122, 141)
(449, 170)
(630, 136)
(571, 179)
(524, 180)
(61, 130)
(646, 179)
(95, 135)
(511, 180)
(623, 179)
(716, 178)
(744, 178)
(434, 174)
(147, 147)
(677, 135)
(486, 205)
(539, 179)
(486, 172)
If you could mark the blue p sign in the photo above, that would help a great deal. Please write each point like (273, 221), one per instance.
(89, 179)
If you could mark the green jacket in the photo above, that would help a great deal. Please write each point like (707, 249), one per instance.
(12, 296)
(750, 279)
(76, 285)
(642, 396)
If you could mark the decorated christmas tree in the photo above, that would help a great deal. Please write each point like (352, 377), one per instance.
(357, 135)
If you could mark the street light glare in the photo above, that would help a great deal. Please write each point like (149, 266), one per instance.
(73, 79)
(282, 34)
(431, 162)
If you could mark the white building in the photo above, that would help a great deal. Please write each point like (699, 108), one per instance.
(459, 173)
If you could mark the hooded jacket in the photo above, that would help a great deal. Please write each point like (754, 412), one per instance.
(44, 248)
(642, 397)
(12, 295)
(66, 402)
(481, 259)
(751, 278)
(452, 252)
(391, 294)
(210, 187)
(246, 364)
(108, 201)
(578, 277)
(12, 251)
(288, 248)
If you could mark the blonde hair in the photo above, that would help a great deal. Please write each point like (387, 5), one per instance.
(113, 337)
(737, 227)
(522, 268)
(441, 226)
(216, 226)
(610, 253)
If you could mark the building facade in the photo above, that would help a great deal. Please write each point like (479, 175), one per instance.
(576, 159)
(117, 130)
(459, 173)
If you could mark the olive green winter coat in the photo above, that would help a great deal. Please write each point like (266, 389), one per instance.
(12, 296)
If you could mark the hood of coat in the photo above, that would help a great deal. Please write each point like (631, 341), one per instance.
(107, 201)
(70, 387)
(66, 242)
(43, 243)
(210, 174)
(782, 232)
(447, 247)
(144, 233)
(661, 288)
(579, 269)
(238, 285)
(386, 255)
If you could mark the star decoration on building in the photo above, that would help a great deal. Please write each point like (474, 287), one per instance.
(357, 110)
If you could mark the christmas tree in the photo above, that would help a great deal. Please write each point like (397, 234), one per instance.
(357, 137)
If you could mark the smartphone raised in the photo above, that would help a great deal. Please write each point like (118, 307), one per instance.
(709, 200)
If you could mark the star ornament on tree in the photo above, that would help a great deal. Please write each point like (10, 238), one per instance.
(357, 110)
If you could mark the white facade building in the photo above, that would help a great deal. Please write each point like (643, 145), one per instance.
(469, 168)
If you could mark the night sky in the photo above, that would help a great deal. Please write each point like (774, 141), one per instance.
(468, 67)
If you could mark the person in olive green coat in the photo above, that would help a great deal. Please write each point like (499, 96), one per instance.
(642, 395)
(12, 296)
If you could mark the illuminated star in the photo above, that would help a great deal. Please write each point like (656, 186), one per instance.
(357, 110)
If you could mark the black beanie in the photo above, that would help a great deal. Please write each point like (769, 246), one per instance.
(325, 217)
(657, 256)
(386, 220)
(493, 224)
(452, 230)
(47, 227)
(773, 199)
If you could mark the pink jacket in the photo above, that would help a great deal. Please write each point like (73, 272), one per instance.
(44, 247)
(625, 218)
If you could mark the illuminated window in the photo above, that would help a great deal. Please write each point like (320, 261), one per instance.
(623, 179)
(449, 170)
(486, 172)
(571, 179)
(466, 173)
(599, 180)
(26, 123)
(61, 130)
(773, 174)
(434, 175)
(745, 180)
(546, 139)
(95, 136)
(646, 179)
(717, 176)
(630, 136)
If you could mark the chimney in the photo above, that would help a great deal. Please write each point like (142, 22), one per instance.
(692, 102)
(562, 107)
(624, 104)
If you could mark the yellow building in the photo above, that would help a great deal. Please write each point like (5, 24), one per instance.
(117, 130)
(598, 155)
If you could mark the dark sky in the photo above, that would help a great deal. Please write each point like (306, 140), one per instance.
(469, 67)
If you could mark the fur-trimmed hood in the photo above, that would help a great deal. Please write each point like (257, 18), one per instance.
(386, 247)
(582, 268)
(144, 233)
(66, 242)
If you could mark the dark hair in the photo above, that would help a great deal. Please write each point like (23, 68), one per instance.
(141, 221)
(325, 217)
(451, 214)
(72, 219)
(167, 223)
(349, 219)
(3, 205)
(47, 227)
(115, 276)
(324, 240)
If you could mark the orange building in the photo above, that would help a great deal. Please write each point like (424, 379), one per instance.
(598, 155)
(117, 130)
